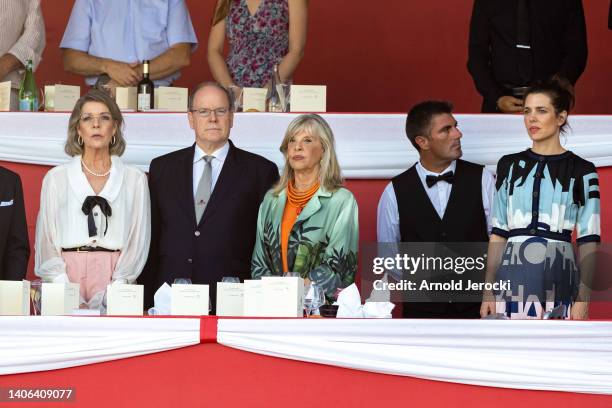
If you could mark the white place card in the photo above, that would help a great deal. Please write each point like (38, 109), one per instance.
(283, 296)
(189, 300)
(15, 298)
(49, 97)
(126, 97)
(253, 298)
(308, 98)
(171, 98)
(124, 300)
(65, 97)
(5, 96)
(230, 299)
(254, 99)
(59, 298)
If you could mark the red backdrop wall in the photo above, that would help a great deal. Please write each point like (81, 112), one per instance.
(376, 57)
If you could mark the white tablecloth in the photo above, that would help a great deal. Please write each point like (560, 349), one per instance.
(368, 145)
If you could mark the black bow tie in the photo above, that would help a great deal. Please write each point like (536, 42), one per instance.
(431, 181)
(88, 205)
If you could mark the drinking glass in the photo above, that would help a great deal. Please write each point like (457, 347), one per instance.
(236, 94)
(230, 279)
(315, 298)
(35, 295)
(182, 281)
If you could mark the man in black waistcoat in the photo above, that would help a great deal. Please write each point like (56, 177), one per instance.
(439, 199)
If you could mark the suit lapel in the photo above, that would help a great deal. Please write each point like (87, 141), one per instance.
(185, 183)
(228, 179)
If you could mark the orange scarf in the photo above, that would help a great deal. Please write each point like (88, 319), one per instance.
(296, 201)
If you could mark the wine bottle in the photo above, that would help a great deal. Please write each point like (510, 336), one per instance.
(145, 89)
(28, 91)
(274, 98)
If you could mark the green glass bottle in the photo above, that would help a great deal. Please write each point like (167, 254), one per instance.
(28, 92)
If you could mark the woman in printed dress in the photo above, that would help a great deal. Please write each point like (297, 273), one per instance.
(544, 194)
(261, 34)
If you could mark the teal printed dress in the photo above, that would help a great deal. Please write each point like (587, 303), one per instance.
(322, 244)
(540, 201)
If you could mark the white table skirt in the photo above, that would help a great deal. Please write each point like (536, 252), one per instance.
(368, 145)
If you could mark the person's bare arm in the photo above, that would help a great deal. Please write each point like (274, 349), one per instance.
(9, 63)
(298, 29)
(81, 63)
(173, 59)
(494, 255)
(216, 62)
(588, 264)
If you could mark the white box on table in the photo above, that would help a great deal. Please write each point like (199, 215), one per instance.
(230, 299)
(189, 300)
(283, 296)
(124, 300)
(15, 298)
(253, 298)
(59, 298)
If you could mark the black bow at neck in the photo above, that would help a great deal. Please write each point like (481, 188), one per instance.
(88, 205)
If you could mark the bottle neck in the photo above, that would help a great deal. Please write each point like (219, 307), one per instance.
(145, 69)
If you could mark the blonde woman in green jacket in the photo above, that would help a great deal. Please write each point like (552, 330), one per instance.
(308, 222)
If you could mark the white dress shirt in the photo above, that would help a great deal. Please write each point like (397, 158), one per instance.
(216, 163)
(387, 225)
(62, 224)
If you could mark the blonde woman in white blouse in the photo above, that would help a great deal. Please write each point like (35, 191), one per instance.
(94, 223)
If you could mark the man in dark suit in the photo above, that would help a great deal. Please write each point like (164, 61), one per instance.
(204, 201)
(14, 244)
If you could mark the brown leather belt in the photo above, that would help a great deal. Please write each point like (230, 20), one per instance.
(89, 249)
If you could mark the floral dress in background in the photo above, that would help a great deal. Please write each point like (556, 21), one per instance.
(257, 42)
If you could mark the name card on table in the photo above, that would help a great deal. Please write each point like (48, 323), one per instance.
(14, 298)
(124, 300)
(59, 298)
(254, 99)
(65, 97)
(308, 98)
(171, 98)
(283, 296)
(230, 299)
(254, 298)
(5, 96)
(126, 97)
(189, 300)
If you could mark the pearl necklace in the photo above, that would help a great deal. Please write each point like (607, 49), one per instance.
(94, 173)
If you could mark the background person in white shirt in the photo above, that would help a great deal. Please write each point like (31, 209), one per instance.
(22, 38)
(439, 199)
(94, 223)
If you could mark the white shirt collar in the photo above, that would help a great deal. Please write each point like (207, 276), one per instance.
(81, 187)
(423, 171)
(219, 154)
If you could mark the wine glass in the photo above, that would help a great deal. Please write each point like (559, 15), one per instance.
(230, 279)
(182, 281)
(315, 298)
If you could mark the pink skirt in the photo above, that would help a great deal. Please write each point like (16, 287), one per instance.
(92, 270)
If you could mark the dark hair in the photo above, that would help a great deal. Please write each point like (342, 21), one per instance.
(198, 87)
(418, 121)
(561, 98)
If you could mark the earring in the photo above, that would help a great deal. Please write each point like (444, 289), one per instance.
(80, 141)
(113, 141)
